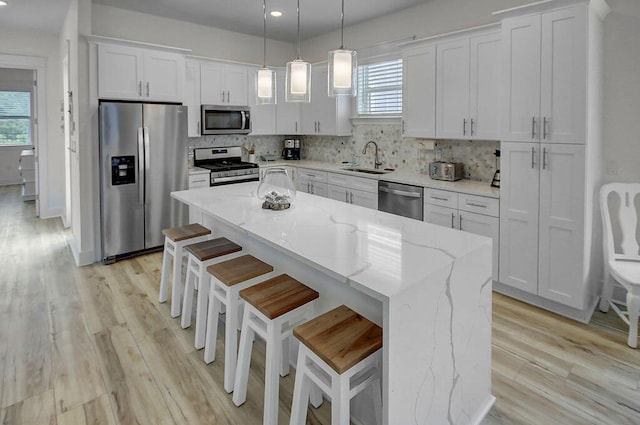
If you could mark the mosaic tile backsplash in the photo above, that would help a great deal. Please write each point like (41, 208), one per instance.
(394, 150)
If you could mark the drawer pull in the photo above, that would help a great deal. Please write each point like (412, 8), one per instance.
(439, 198)
(473, 204)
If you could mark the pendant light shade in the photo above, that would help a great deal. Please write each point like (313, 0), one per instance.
(265, 77)
(342, 68)
(298, 79)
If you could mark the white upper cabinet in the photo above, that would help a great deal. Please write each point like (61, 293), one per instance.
(419, 92)
(325, 115)
(287, 114)
(192, 97)
(223, 84)
(263, 117)
(130, 73)
(545, 72)
(467, 88)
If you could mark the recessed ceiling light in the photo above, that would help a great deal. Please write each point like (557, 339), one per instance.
(3, 3)
(274, 13)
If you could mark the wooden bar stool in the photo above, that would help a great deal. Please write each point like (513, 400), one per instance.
(272, 309)
(335, 347)
(228, 278)
(175, 239)
(202, 255)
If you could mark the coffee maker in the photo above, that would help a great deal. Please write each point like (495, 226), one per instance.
(291, 150)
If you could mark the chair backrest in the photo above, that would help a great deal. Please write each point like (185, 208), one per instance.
(625, 196)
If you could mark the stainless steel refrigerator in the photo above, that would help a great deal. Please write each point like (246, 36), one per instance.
(143, 150)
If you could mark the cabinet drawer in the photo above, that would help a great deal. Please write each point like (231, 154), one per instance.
(364, 184)
(338, 179)
(443, 198)
(313, 175)
(479, 204)
(198, 180)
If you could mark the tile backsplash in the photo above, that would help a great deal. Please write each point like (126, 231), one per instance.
(394, 151)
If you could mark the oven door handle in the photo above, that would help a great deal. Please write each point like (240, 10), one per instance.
(399, 192)
(234, 179)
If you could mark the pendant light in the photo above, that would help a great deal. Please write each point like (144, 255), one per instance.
(265, 77)
(342, 68)
(298, 76)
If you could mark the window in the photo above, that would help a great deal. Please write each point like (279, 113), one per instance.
(15, 118)
(380, 88)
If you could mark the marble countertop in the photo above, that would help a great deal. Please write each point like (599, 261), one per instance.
(472, 187)
(378, 253)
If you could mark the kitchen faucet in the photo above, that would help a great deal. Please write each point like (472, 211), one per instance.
(377, 162)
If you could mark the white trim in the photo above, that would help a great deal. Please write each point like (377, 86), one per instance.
(98, 39)
(39, 65)
(389, 120)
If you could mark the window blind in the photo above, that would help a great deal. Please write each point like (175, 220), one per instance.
(380, 88)
(15, 118)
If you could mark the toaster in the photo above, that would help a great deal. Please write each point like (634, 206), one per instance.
(450, 171)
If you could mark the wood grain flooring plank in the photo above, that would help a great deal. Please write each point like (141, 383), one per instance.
(94, 412)
(97, 297)
(134, 395)
(77, 378)
(39, 409)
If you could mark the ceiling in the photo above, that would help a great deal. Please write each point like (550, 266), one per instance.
(245, 16)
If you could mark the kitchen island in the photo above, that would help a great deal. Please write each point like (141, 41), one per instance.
(428, 286)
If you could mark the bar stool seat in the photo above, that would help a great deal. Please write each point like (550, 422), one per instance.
(175, 239)
(334, 348)
(228, 278)
(202, 255)
(271, 311)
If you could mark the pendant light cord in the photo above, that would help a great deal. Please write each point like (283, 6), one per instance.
(342, 27)
(298, 12)
(264, 32)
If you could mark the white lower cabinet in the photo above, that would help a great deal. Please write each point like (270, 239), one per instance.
(196, 181)
(542, 220)
(312, 181)
(470, 213)
(353, 190)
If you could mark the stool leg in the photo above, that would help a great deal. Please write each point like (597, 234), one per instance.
(176, 290)
(272, 369)
(339, 400)
(376, 390)
(300, 402)
(315, 396)
(244, 360)
(201, 306)
(230, 340)
(189, 288)
(212, 326)
(284, 358)
(633, 307)
(164, 280)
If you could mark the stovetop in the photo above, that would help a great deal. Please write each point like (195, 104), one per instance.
(226, 165)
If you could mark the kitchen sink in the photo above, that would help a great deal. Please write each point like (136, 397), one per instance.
(367, 170)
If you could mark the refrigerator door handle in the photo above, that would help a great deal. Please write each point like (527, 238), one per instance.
(141, 166)
(147, 159)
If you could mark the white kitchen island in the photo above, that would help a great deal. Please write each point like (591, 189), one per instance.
(428, 286)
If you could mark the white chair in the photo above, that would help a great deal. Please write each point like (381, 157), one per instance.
(622, 266)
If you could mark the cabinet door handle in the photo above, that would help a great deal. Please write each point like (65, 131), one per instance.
(222, 96)
(533, 127)
(296, 126)
(351, 197)
(464, 126)
(346, 197)
(403, 127)
(228, 97)
(197, 126)
(318, 126)
(139, 88)
(472, 122)
(533, 159)
(453, 216)
(313, 189)
(544, 158)
(473, 204)
(545, 121)
(147, 89)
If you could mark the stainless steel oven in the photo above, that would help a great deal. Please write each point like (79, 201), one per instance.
(225, 119)
(225, 165)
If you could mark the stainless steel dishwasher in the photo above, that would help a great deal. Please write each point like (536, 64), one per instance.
(401, 199)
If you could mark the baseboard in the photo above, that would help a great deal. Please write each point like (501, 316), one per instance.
(583, 316)
(484, 411)
(83, 258)
(50, 212)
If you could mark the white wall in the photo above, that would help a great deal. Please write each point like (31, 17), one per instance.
(44, 45)
(204, 41)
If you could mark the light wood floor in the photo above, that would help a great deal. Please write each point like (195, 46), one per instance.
(92, 345)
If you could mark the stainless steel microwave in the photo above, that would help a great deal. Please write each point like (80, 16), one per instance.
(225, 119)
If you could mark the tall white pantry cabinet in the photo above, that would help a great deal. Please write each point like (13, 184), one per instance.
(551, 143)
